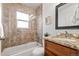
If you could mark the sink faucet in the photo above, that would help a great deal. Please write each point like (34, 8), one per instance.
(66, 34)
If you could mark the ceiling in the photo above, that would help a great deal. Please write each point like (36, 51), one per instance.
(33, 5)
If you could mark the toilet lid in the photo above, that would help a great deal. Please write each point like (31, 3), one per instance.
(38, 51)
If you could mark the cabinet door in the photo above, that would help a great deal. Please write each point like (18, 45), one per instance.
(48, 53)
(73, 52)
(59, 49)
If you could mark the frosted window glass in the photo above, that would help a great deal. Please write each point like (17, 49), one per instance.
(22, 24)
(22, 16)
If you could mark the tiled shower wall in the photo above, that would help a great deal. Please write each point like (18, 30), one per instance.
(13, 35)
(39, 23)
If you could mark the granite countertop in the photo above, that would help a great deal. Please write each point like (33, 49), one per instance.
(69, 42)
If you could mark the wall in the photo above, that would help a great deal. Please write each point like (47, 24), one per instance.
(1, 27)
(49, 10)
(13, 35)
(39, 23)
(0, 47)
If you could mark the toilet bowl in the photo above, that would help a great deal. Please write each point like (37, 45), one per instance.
(38, 51)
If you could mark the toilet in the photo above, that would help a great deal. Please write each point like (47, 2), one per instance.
(38, 51)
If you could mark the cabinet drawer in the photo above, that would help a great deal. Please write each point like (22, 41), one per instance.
(59, 49)
(48, 53)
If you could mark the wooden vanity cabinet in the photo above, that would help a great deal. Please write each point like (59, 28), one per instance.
(54, 49)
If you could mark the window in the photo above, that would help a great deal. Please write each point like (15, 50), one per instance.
(22, 20)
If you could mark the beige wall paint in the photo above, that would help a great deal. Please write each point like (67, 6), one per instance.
(14, 36)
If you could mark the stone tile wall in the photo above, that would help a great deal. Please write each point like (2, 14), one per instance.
(13, 35)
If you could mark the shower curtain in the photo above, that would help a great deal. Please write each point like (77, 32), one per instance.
(1, 27)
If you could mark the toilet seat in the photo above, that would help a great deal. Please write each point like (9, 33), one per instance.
(38, 51)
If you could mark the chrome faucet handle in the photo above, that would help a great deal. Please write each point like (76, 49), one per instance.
(66, 32)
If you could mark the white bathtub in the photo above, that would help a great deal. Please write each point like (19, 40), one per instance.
(21, 50)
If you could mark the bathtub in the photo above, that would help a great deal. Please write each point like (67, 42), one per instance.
(21, 50)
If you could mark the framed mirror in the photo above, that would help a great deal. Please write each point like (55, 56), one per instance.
(67, 16)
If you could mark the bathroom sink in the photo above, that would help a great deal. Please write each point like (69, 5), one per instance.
(66, 40)
(71, 42)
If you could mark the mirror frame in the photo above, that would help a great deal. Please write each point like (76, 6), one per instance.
(56, 19)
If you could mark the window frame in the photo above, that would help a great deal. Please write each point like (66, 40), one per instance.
(21, 21)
